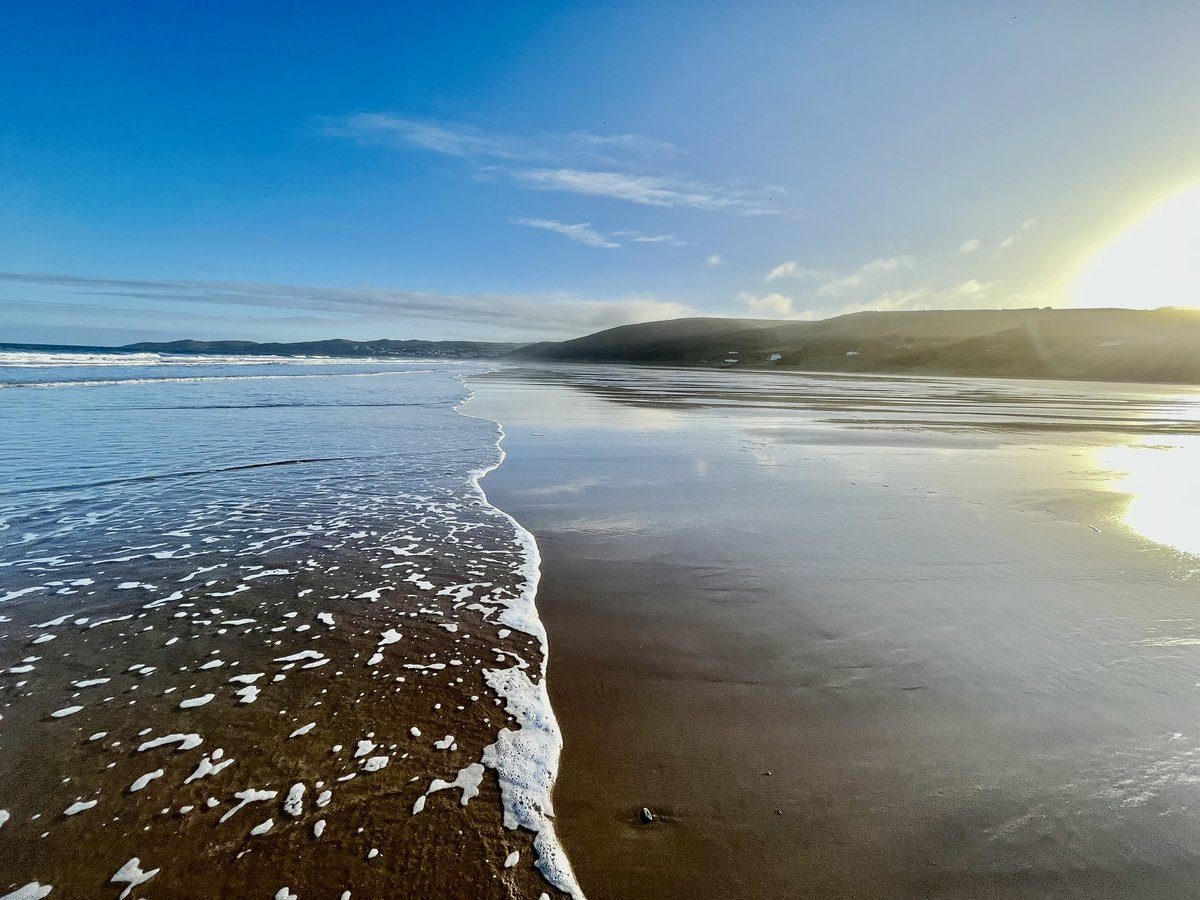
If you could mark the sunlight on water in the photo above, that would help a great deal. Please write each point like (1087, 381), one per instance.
(1163, 484)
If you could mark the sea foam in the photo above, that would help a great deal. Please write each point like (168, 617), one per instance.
(526, 760)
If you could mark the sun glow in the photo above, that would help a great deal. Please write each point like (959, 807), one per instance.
(1163, 484)
(1153, 263)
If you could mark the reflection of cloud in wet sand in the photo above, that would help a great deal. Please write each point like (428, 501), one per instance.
(1163, 484)
(555, 411)
(845, 422)
(568, 487)
(604, 524)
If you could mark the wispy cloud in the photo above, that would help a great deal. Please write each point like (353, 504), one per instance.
(615, 166)
(772, 305)
(387, 130)
(714, 261)
(829, 283)
(527, 314)
(632, 143)
(968, 294)
(889, 264)
(464, 140)
(882, 284)
(876, 284)
(837, 284)
(792, 269)
(582, 233)
(1018, 235)
(669, 239)
(638, 237)
(646, 190)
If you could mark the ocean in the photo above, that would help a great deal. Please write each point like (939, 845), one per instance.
(262, 634)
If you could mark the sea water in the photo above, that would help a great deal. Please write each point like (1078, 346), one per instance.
(210, 564)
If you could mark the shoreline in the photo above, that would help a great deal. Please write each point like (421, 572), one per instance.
(537, 746)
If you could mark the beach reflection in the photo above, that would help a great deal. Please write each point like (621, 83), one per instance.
(1162, 481)
(1009, 441)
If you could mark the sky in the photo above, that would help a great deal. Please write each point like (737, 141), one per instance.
(302, 170)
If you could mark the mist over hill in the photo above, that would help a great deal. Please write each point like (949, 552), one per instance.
(1086, 344)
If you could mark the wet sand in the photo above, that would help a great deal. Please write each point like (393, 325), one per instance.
(915, 604)
(356, 723)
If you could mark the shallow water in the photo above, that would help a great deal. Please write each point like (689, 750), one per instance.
(253, 611)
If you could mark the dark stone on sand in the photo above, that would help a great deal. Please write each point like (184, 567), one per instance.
(646, 816)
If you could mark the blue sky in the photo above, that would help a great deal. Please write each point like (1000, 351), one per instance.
(303, 170)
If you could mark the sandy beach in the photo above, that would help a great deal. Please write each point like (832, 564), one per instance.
(577, 451)
(841, 636)
(861, 638)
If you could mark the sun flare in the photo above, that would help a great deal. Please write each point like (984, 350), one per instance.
(1155, 262)
(1162, 481)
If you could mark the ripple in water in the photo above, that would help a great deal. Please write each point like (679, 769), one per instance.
(260, 614)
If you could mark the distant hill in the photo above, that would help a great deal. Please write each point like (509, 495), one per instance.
(1088, 344)
(416, 349)
(673, 341)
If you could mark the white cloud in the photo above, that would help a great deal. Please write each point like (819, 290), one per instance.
(970, 294)
(714, 261)
(525, 315)
(832, 283)
(645, 190)
(791, 269)
(585, 234)
(890, 264)
(635, 143)
(582, 233)
(972, 288)
(387, 130)
(839, 284)
(773, 305)
(560, 161)
(970, 246)
(458, 139)
(638, 237)
(668, 239)
(1018, 235)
